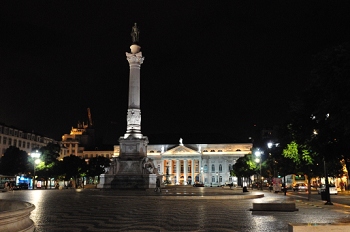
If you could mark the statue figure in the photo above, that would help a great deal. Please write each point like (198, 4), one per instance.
(180, 141)
(135, 34)
(113, 167)
(148, 166)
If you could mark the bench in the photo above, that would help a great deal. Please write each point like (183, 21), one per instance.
(319, 227)
(275, 206)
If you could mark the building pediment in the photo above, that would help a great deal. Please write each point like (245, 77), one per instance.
(181, 150)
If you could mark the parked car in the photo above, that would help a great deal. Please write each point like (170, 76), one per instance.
(20, 186)
(300, 187)
(198, 185)
(332, 189)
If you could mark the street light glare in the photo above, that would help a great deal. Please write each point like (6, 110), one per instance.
(258, 153)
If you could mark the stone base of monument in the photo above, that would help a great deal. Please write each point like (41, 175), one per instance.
(274, 206)
(14, 216)
(319, 227)
(108, 181)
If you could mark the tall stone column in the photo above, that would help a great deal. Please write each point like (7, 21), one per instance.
(132, 169)
(135, 60)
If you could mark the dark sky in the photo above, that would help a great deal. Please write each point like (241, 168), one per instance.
(217, 67)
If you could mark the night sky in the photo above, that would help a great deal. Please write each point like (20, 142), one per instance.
(221, 67)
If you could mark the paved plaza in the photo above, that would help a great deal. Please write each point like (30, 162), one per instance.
(174, 209)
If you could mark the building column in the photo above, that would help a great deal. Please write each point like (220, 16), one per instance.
(70, 149)
(170, 163)
(210, 174)
(192, 171)
(162, 170)
(200, 170)
(76, 149)
(185, 171)
(225, 171)
(177, 171)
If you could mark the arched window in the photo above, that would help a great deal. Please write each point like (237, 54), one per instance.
(230, 167)
(212, 168)
(205, 169)
(220, 168)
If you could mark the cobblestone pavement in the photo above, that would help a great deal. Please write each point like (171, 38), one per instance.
(194, 210)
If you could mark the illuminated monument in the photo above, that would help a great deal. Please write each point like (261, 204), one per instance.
(132, 168)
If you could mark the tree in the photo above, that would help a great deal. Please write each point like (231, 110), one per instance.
(14, 161)
(244, 167)
(48, 157)
(97, 166)
(73, 167)
(320, 118)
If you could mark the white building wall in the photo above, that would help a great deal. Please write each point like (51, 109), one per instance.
(10, 136)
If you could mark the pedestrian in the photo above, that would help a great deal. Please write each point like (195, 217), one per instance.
(341, 186)
(157, 186)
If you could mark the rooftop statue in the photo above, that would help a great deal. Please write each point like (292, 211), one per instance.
(135, 33)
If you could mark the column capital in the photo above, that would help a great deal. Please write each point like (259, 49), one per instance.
(135, 58)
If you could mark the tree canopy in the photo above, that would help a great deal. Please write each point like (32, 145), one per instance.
(14, 161)
(319, 124)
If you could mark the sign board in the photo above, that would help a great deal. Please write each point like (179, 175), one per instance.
(277, 183)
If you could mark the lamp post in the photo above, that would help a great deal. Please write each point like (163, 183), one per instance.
(328, 196)
(217, 178)
(35, 156)
(258, 160)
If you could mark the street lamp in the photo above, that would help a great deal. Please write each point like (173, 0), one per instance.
(328, 196)
(35, 155)
(258, 160)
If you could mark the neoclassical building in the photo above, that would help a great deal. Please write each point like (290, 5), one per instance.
(185, 164)
(209, 164)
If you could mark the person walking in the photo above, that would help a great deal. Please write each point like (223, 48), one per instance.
(157, 186)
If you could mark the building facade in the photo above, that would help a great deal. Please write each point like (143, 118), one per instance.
(210, 164)
(25, 141)
(186, 164)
